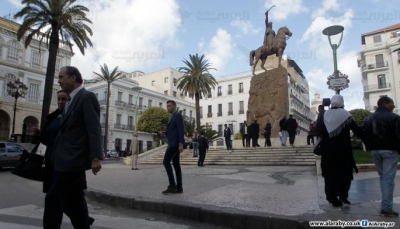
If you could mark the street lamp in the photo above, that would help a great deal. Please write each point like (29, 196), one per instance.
(338, 80)
(16, 89)
(136, 106)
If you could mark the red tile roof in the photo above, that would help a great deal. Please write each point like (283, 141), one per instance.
(392, 27)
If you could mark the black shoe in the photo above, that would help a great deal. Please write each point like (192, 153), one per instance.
(344, 200)
(336, 203)
(170, 189)
(390, 213)
(91, 220)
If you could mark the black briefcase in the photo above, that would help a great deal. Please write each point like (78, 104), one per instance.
(30, 166)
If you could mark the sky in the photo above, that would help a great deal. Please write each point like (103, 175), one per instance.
(150, 35)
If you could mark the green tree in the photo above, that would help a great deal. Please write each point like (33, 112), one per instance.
(196, 80)
(211, 135)
(359, 115)
(109, 77)
(58, 19)
(189, 126)
(153, 120)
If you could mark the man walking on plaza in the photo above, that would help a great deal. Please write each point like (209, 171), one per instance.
(227, 136)
(283, 130)
(175, 141)
(77, 148)
(382, 129)
(203, 148)
(255, 133)
(291, 126)
(244, 131)
(134, 151)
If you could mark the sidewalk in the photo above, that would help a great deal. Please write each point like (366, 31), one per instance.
(239, 196)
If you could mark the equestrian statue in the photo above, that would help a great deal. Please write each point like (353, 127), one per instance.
(272, 44)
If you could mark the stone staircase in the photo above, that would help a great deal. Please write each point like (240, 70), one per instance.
(297, 156)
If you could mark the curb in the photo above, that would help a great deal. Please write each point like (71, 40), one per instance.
(233, 218)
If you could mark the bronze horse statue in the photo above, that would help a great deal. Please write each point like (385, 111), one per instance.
(277, 48)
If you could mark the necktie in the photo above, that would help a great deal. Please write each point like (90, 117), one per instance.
(67, 105)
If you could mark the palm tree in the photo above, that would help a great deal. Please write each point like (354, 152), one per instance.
(196, 80)
(109, 78)
(51, 20)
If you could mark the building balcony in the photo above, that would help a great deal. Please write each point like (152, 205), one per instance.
(219, 93)
(230, 112)
(130, 127)
(209, 115)
(374, 66)
(229, 92)
(240, 90)
(377, 87)
(130, 106)
(119, 126)
(219, 114)
(241, 111)
(120, 103)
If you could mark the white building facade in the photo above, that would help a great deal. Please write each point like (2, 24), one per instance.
(124, 97)
(29, 65)
(379, 63)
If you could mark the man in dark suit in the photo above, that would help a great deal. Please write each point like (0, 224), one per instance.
(175, 140)
(255, 132)
(291, 126)
(77, 148)
(244, 131)
(203, 148)
(227, 136)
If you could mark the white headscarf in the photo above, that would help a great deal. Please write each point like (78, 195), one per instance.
(336, 118)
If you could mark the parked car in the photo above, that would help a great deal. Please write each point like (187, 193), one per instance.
(112, 153)
(10, 153)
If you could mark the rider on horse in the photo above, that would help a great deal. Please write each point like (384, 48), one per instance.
(269, 32)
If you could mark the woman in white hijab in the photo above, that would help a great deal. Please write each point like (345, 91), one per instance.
(337, 161)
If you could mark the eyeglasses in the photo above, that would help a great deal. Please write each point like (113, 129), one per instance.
(62, 99)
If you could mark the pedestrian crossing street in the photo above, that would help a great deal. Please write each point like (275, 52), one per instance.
(30, 217)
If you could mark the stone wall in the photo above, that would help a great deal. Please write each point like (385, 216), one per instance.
(268, 101)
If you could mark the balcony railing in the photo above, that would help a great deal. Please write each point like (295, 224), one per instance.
(230, 112)
(229, 92)
(118, 126)
(130, 106)
(241, 111)
(120, 103)
(219, 114)
(377, 87)
(103, 102)
(130, 127)
(375, 65)
(209, 115)
(240, 90)
(219, 93)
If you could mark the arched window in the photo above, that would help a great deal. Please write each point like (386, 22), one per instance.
(9, 77)
(12, 53)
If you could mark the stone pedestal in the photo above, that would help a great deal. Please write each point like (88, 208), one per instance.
(268, 100)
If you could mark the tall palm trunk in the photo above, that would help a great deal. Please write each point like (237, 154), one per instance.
(197, 99)
(49, 81)
(106, 124)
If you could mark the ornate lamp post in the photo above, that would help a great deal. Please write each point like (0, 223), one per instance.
(16, 89)
(138, 89)
(337, 81)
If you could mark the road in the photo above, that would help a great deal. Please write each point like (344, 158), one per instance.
(21, 207)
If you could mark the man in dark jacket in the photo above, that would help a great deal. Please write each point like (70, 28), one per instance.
(203, 148)
(255, 132)
(244, 131)
(283, 130)
(291, 125)
(227, 136)
(382, 130)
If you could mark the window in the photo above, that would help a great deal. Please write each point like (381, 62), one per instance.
(166, 92)
(140, 102)
(54, 96)
(174, 93)
(153, 83)
(219, 91)
(12, 148)
(190, 114)
(9, 77)
(130, 120)
(119, 117)
(130, 99)
(209, 114)
(149, 145)
(201, 112)
(209, 95)
(230, 89)
(12, 53)
(379, 61)
(184, 112)
(166, 80)
(231, 127)
(36, 59)
(230, 109)
(240, 87)
(160, 104)
(149, 104)
(377, 38)
(175, 82)
(58, 62)
(219, 110)
(220, 130)
(241, 107)
(119, 96)
(33, 92)
(382, 81)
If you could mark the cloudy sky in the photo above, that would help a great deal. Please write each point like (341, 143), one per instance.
(149, 35)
